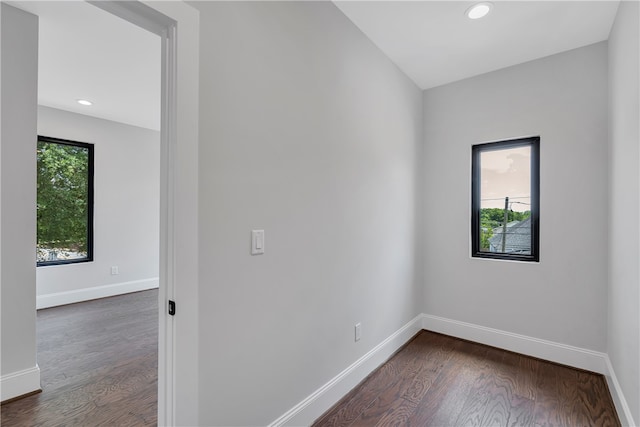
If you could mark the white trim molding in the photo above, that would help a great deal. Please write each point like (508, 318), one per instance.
(317, 403)
(86, 294)
(547, 350)
(622, 407)
(19, 383)
(564, 354)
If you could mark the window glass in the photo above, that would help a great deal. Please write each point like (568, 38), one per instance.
(505, 200)
(64, 201)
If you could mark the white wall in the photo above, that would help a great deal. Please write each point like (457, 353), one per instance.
(18, 368)
(309, 132)
(562, 98)
(126, 210)
(624, 204)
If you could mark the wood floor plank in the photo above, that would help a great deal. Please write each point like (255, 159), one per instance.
(434, 361)
(592, 391)
(414, 380)
(557, 391)
(512, 391)
(442, 404)
(403, 409)
(480, 396)
(388, 398)
(526, 377)
(521, 412)
(447, 381)
(354, 403)
(99, 365)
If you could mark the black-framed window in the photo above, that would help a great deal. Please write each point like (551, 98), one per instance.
(64, 201)
(505, 201)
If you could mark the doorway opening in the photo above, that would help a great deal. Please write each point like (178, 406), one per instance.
(150, 20)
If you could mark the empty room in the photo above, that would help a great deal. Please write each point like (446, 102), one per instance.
(370, 213)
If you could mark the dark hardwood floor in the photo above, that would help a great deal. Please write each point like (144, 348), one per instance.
(437, 380)
(99, 365)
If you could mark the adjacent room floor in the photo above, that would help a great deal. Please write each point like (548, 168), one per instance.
(437, 380)
(99, 365)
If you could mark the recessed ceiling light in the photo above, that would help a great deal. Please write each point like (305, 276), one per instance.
(479, 10)
(84, 102)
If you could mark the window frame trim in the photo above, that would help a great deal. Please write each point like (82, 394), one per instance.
(90, 200)
(476, 150)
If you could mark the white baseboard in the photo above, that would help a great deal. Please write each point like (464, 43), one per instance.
(316, 404)
(19, 383)
(79, 295)
(308, 410)
(624, 413)
(547, 350)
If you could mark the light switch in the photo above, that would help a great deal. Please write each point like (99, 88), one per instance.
(257, 242)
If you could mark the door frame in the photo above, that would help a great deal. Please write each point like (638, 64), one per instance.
(178, 275)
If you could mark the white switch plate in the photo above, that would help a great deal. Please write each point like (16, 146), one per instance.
(257, 242)
(115, 270)
(358, 329)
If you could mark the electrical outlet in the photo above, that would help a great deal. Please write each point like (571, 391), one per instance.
(114, 270)
(358, 330)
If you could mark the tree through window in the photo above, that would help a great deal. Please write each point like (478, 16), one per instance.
(64, 201)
